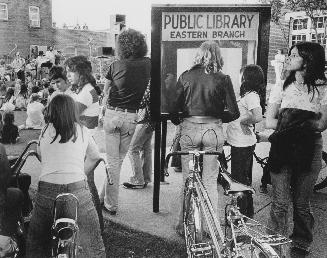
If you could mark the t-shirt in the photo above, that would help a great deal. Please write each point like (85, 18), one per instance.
(89, 98)
(129, 79)
(297, 96)
(63, 163)
(241, 135)
(35, 118)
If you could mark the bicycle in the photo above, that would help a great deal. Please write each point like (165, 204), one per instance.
(64, 230)
(243, 236)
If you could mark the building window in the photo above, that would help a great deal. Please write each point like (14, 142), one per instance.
(321, 38)
(298, 38)
(3, 11)
(34, 13)
(300, 24)
(319, 21)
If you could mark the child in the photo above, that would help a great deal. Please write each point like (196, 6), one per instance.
(35, 118)
(240, 133)
(9, 132)
(9, 100)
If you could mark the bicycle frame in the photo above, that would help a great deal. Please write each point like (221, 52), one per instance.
(239, 224)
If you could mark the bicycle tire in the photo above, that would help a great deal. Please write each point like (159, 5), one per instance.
(192, 218)
(321, 182)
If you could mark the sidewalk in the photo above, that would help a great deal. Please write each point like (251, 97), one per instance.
(135, 206)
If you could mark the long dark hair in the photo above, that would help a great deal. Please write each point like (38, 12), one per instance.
(313, 55)
(253, 79)
(83, 67)
(62, 113)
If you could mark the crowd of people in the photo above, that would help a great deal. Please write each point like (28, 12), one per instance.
(66, 108)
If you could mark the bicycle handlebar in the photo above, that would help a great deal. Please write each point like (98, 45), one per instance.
(193, 152)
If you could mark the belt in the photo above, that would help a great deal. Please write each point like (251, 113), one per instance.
(62, 187)
(129, 110)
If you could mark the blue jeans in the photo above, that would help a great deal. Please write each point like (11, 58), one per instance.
(39, 233)
(119, 128)
(208, 137)
(295, 186)
(140, 155)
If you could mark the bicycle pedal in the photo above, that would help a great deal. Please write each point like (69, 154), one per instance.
(201, 250)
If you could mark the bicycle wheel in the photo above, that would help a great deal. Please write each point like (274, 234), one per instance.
(322, 177)
(192, 219)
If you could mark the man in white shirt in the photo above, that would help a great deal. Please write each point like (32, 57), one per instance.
(18, 65)
(58, 77)
(50, 55)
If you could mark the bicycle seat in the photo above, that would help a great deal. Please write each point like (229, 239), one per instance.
(231, 186)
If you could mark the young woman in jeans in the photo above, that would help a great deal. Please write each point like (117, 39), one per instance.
(63, 145)
(202, 94)
(298, 111)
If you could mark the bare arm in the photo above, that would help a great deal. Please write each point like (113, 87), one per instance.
(321, 123)
(92, 156)
(252, 117)
(271, 116)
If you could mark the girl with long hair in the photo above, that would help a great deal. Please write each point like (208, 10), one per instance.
(63, 145)
(297, 110)
(240, 133)
(79, 74)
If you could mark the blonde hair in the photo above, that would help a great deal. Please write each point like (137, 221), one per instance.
(209, 56)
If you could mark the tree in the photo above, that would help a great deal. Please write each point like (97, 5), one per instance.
(276, 14)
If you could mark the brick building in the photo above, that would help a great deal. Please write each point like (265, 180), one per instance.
(26, 23)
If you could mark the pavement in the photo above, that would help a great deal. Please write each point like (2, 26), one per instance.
(136, 206)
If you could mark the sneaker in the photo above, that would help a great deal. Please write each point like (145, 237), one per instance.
(111, 212)
(134, 186)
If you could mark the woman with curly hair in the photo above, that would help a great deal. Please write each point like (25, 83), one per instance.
(126, 82)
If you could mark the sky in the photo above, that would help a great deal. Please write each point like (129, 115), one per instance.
(96, 13)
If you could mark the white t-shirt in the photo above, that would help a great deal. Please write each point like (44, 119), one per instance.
(68, 92)
(240, 135)
(89, 98)
(63, 163)
(35, 118)
(297, 96)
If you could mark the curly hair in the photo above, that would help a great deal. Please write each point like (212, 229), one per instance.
(209, 56)
(83, 67)
(131, 43)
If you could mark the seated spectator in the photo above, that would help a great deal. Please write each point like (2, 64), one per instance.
(21, 99)
(35, 118)
(18, 84)
(11, 202)
(9, 132)
(9, 101)
(58, 76)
